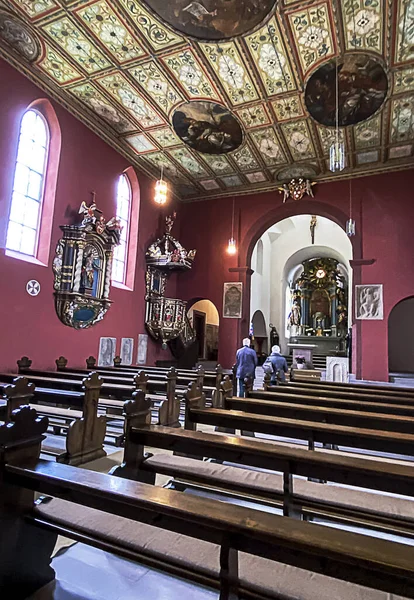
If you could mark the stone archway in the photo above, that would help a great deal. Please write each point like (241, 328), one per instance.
(205, 320)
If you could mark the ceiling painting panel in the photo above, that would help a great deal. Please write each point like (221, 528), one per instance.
(404, 43)
(191, 75)
(402, 120)
(96, 101)
(36, 8)
(218, 164)
(368, 133)
(153, 31)
(226, 61)
(54, 64)
(288, 108)
(140, 143)
(131, 100)
(188, 162)
(71, 39)
(102, 21)
(270, 56)
(269, 146)
(363, 24)
(312, 31)
(157, 86)
(165, 137)
(404, 80)
(254, 116)
(127, 75)
(299, 140)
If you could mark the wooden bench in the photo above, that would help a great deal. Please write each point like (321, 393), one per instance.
(385, 390)
(244, 553)
(85, 432)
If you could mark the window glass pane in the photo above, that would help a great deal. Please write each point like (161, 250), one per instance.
(28, 184)
(21, 179)
(123, 206)
(17, 208)
(35, 185)
(28, 241)
(14, 234)
(31, 213)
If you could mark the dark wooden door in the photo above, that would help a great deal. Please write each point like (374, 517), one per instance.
(199, 324)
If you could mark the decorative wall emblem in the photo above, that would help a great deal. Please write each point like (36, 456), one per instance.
(369, 302)
(362, 88)
(82, 267)
(33, 287)
(208, 20)
(207, 127)
(296, 189)
(15, 33)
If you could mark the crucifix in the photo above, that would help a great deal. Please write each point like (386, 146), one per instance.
(312, 227)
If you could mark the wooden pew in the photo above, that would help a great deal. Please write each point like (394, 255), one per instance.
(213, 529)
(385, 390)
(297, 497)
(85, 433)
(311, 431)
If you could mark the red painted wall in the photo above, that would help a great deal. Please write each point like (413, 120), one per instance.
(29, 325)
(384, 211)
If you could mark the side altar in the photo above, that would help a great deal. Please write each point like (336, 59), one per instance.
(319, 310)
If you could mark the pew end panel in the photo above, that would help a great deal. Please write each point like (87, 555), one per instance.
(26, 550)
(86, 436)
(194, 398)
(137, 413)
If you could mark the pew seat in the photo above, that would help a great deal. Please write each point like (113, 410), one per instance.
(259, 577)
(270, 485)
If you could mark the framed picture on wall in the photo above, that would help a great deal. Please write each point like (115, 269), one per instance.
(142, 349)
(127, 348)
(232, 300)
(369, 304)
(107, 350)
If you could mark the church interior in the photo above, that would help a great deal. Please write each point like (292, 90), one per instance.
(207, 366)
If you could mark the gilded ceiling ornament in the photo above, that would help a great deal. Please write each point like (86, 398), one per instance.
(219, 20)
(296, 189)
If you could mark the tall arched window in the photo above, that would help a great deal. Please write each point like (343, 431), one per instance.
(123, 213)
(29, 184)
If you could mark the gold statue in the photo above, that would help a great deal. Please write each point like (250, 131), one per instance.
(296, 189)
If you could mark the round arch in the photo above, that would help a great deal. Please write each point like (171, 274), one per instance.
(401, 337)
(205, 320)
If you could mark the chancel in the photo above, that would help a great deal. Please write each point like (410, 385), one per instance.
(206, 367)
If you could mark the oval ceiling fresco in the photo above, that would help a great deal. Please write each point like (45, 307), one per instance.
(212, 19)
(362, 89)
(207, 127)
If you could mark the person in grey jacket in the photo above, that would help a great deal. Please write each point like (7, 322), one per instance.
(279, 365)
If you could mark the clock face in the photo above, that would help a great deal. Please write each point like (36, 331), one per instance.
(320, 273)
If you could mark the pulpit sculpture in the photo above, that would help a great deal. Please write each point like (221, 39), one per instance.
(82, 268)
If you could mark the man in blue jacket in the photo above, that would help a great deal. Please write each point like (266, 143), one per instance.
(246, 363)
(279, 365)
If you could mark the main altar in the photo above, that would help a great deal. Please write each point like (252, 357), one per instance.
(319, 307)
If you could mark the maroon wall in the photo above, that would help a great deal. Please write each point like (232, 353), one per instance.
(384, 213)
(29, 325)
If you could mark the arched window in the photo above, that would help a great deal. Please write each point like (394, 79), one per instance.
(259, 258)
(29, 185)
(123, 213)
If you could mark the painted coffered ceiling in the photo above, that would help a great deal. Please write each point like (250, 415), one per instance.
(125, 74)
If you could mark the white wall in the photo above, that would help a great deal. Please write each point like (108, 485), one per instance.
(286, 245)
(207, 307)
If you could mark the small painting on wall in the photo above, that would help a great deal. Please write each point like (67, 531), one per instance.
(232, 300)
(369, 302)
(142, 349)
(107, 350)
(127, 349)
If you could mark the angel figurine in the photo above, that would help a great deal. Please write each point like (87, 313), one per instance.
(88, 212)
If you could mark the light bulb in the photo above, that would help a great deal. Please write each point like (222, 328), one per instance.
(161, 190)
(232, 248)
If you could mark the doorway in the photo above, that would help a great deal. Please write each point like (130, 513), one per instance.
(199, 325)
(401, 337)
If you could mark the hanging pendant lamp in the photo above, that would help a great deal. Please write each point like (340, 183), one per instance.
(350, 224)
(337, 149)
(231, 247)
(161, 189)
